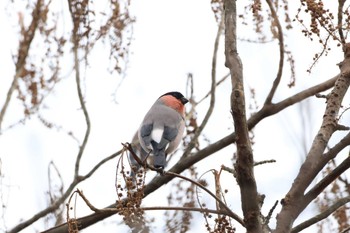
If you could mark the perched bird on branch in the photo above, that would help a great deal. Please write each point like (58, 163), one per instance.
(162, 129)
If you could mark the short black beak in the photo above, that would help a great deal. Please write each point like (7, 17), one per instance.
(184, 100)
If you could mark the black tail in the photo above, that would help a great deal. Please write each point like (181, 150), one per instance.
(159, 156)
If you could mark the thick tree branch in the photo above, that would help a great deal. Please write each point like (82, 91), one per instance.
(245, 162)
(169, 173)
(294, 202)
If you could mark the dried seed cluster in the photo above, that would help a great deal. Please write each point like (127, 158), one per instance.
(222, 225)
(324, 25)
(129, 200)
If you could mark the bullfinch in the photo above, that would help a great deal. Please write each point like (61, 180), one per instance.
(162, 128)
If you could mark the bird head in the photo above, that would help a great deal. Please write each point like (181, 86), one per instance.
(175, 100)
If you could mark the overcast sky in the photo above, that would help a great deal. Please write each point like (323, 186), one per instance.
(171, 39)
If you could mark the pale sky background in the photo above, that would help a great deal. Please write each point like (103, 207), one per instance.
(171, 39)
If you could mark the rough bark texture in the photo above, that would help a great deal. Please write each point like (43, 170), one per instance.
(296, 201)
(245, 161)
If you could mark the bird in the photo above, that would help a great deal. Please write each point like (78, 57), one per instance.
(162, 128)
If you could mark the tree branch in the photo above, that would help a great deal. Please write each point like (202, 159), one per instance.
(340, 20)
(116, 210)
(59, 201)
(75, 38)
(294, 202)
(332, 152)
(327, 180)
(322, 215)
(245, 161)
(217, 84)
(222, 204)
(186, 162)
(198, 131)
(281, 53)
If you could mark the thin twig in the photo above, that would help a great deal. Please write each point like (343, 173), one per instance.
(99, 164)
(116, 210)
(281, 53)
(269, 215)
(222, 204)
(199, 130)
(75, 38)
(264, 162)
(340, 20)
(217, 84)
(134, 155)
(60, 200)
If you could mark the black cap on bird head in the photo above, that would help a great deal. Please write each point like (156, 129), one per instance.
(177, 95)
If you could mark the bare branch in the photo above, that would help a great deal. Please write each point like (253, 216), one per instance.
(320, 186)
(217, 198)
(304, 94)
(8, 98)
(225, 209)
(217, 84)
(198, 131)
(245, 162)
(269, 215)
(44, 212)
(217, 188)
(340, 21)
(201, 210)
(332, 152)
(60, 200)
(186, 162)
(228, 169)
(294, 203)
(116, 210)
(75, 39)
(281, 53)
(264, 162)
(222, 204)
(321, 216)
(99, 164)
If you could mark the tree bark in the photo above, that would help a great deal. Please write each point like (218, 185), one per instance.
(296, 201)
(245, 162)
